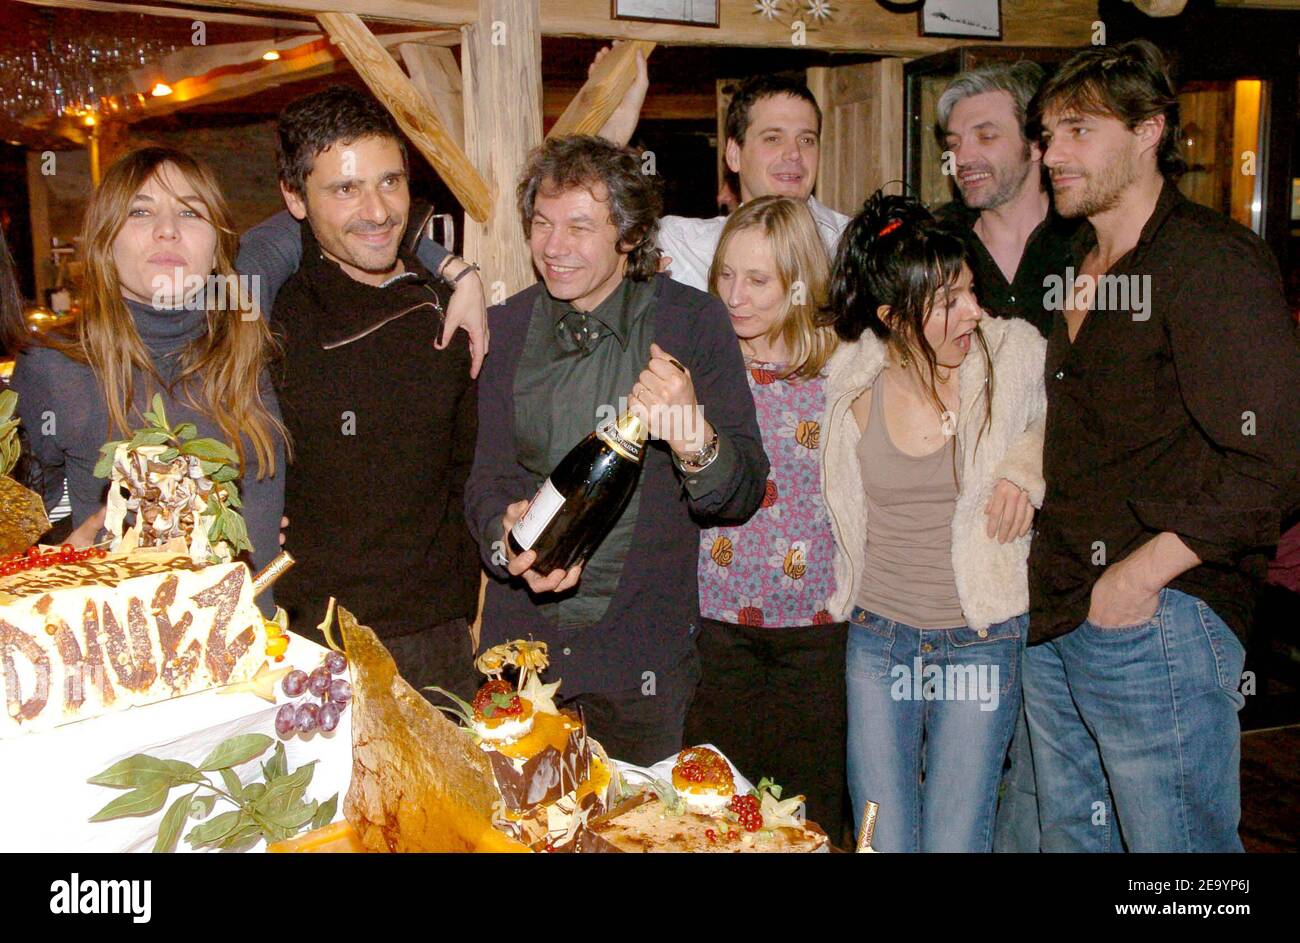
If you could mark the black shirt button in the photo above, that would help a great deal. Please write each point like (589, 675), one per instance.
(1060, 374)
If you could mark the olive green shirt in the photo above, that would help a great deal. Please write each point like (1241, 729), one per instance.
(576, 371)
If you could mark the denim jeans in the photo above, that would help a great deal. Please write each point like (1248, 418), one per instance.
(939, 701)
(1015, 831)
(1135, 733)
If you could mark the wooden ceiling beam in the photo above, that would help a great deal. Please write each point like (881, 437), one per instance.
(862, 26)
(437, 76)
(241, 79)
(177, 12)
(417, 118)
(206, 75)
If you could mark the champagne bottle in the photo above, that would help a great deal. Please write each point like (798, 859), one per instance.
(583, 497)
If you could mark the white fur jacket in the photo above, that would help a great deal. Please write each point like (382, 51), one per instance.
(992, 578)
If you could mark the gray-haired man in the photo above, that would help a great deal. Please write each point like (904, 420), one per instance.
(1017, 237)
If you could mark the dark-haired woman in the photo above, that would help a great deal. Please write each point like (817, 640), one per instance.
(932, 467)
(157, 235)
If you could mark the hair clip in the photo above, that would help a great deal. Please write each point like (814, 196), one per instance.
(889, 227)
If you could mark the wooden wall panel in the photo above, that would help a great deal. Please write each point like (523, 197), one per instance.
(862, 130)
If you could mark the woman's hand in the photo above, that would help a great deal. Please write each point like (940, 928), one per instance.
(1008, 512)
(84, 534)
(467, 311)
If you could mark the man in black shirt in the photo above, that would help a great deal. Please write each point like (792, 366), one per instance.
(383, 424)
(1169, 458)
(1016, 241)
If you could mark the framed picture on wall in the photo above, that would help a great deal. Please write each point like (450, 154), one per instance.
(968, 19)
(683, 12)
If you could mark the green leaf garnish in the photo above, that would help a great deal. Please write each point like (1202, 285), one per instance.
(172, 823)
(275, 809)
(236, 750)
(669, 796)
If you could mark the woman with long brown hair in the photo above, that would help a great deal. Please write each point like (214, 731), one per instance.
(162, 312)
(772, 658)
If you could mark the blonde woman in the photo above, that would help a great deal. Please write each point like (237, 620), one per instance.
(932, 470)
(154, 232)
(772, 691)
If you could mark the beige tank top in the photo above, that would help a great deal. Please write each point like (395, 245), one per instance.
(910, 500)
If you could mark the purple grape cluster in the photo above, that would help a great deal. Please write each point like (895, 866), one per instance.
(331, 694)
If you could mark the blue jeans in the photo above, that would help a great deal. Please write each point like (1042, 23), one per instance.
(953, 692)
(1015, 831)
(1135, 734)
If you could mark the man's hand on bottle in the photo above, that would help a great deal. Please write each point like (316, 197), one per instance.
(663, 397)
(557, 581)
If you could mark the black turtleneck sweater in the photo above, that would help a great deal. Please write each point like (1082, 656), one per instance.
(383, 427)
(66, 420)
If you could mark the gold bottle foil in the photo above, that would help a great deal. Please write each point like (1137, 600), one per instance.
(868, 830)
(272, 572)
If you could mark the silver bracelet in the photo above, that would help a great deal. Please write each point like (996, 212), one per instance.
(700, 460)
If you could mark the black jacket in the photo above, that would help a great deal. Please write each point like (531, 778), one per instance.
(1172, 410)
(383, 429)
(648, 625)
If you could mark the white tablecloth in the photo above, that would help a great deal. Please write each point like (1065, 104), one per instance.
(46, 803)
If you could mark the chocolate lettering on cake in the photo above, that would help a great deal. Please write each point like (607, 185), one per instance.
(13, 639)
(74, 689)
(222, 654)
(94, 658)
(168, 632)
(89, 573)
(132, 659)
(176, 667)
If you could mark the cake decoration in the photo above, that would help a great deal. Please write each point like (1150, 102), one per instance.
(22, 512)
(81, 638)
(181, 490)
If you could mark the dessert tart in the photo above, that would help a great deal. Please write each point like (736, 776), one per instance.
(704, 780)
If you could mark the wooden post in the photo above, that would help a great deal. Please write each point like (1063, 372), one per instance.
(862, 130)
(501, 63)
(111, 142)
(434, 72)
(38, 198)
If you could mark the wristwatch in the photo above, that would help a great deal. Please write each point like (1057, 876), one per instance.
(698, 461)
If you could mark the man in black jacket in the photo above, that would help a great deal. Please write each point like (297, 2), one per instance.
(382, 423)
(604, 333)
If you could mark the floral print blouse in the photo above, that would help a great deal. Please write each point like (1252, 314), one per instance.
(777, 568)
